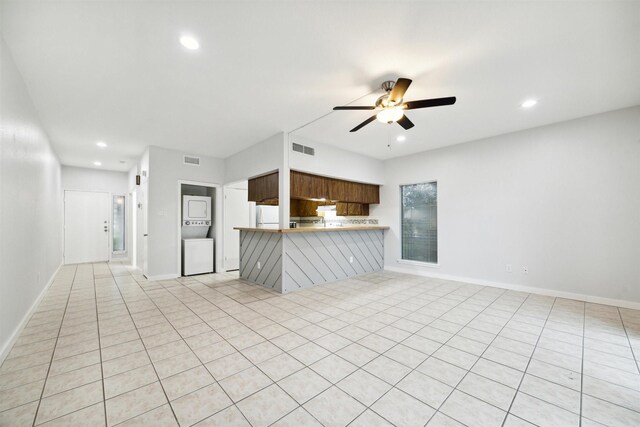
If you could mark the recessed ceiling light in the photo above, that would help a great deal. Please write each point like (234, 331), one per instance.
(97, 163)
(190, 42)
(401, 138)
(101, 144)
(529, 103)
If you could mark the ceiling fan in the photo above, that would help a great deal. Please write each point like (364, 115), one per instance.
(391, 108)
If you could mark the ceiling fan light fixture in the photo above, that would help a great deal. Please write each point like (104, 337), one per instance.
(390, 115)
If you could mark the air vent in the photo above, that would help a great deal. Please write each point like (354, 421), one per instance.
(304, 149)
(190, 160)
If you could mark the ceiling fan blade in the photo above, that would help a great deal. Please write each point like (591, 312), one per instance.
(405, 123)
(425, 103)
(354, 107)
(398, 90)
(363, 124)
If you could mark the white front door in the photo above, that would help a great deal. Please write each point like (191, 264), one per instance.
(237, 213)
(87, 226)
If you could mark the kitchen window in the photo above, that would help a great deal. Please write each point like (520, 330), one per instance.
(419, 222)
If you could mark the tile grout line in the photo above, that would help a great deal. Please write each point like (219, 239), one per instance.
(555, 299)
(95, 299)
(584, 327)
(353, 342)
(628, 339)
(600, 397)
(226, 341)
(379, 354)
(35, 416)
(124, 301)
(428, 356)
(181, 339)
(441, 345)
(480, 357)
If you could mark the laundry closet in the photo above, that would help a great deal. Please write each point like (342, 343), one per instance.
(197, 229)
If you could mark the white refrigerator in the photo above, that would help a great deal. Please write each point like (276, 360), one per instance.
(267, 216)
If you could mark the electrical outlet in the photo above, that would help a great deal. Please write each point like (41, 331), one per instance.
(258, 265)
(525, 270)
(508, 268)
(351, 259)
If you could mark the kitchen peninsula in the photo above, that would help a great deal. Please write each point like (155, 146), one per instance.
(295, 258)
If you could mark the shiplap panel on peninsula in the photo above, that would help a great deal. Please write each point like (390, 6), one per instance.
(266, 249)
(322, 257)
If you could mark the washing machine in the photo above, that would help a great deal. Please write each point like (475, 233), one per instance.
(197, 256)
(197, 248)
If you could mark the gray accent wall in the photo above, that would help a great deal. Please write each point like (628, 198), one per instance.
(266, 249)
(292, 261)
(326, 256)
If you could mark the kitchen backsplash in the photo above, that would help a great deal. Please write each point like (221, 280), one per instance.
(334, 222)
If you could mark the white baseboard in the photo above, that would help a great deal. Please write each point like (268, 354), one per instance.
(162, 277)
(529, 289)
(6, 348)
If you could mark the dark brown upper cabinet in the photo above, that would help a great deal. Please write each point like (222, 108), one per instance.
(307, 186)
(263, 188)
(371, 194)
(355, 197)
(336, 189)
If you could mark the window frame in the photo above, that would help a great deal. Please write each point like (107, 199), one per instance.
(401, 260)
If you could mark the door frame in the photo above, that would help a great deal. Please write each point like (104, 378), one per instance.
(64, 223)
(132, 229)
(218, 247)
(252, 216)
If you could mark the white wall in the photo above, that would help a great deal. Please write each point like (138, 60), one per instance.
(166, 169)
(30, 204)
(336, 163)
(563, 200)
(86, 179)
(265, 156)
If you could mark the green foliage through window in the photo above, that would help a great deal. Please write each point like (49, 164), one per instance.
(420, 222)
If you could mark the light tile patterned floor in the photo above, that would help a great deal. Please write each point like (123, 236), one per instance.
(109, 347)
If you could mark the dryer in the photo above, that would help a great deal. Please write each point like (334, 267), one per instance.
(197, 248)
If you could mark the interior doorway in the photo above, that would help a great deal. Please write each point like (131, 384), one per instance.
(197, 228)
(238, 212)
(87, 226)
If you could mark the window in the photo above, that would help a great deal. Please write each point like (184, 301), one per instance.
(118, 224)
(420, 222)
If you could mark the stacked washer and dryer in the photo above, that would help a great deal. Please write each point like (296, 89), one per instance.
(197, 248)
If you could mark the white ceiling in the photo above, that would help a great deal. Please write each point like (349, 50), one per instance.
(115, 71)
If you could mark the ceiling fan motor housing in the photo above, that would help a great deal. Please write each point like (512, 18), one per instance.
(383, 101)
(388, 85)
